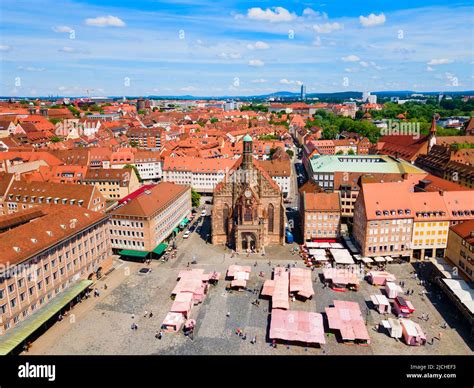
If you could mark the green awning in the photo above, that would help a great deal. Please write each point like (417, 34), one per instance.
(18, 334)
(185, 220)
(176, 230)
(160, 248)
(132, 253)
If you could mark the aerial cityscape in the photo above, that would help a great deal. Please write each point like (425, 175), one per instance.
(236, 178)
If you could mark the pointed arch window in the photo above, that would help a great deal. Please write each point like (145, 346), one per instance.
(225, 218)
(271, 218)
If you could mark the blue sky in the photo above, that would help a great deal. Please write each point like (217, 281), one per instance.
(201, 47)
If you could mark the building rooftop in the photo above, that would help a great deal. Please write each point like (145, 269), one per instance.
(362, 163)
(151, 201)
(55, 224)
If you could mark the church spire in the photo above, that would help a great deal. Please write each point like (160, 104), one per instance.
(247, 161)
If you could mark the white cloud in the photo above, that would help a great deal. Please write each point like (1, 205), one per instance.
(351, 58)
(4, 47)
(372, 20)
(275, 14)
(67, 50)
(31, 68)
(229, 55)
(317, 42)
(327, 28)
(363, 64)
(259, 45)
(256, 62)
(105, 21)
(429, 68)
(350, 70)
(440, 61)
(259, 81)
(62, 29)
(189, 89)
(285, 81)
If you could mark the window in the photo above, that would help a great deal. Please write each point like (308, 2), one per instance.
(271, 216)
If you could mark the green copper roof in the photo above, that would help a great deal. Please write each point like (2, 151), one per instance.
(247, 137)
(361, 163)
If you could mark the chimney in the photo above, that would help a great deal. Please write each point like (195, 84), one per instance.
(441, 192)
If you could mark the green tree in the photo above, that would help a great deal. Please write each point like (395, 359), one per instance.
(195, 198)
(55, 139)
(290, 153)
(54, 121)
(134, 168)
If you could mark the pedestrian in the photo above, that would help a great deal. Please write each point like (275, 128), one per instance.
(146, 313)
(151, 315)
(439, 336)
(133, 316)
(105, 286)
(160, 334)
(228, 314)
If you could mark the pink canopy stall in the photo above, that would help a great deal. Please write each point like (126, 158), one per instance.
(268, 288)
(392, 290)
(412, 333)
(340, 279)
(301, 283)
(381, 303)
(347, 319)
(280, 292)
(239, 274)
(297, 326)
(173, 322)
(183, 303)
(379, 278)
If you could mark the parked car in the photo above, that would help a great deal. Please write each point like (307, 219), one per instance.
(203, 213)
(186, 234)
(144, 271)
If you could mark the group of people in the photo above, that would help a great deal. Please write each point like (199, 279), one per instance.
(243, 335)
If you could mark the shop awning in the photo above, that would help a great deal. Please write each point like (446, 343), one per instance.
(20, 333)
(176, 230)
(160, 248)
(132, 253)
(184, 222)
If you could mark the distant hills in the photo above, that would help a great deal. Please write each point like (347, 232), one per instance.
(280, 94)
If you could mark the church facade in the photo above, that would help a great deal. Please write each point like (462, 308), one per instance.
(248, 212)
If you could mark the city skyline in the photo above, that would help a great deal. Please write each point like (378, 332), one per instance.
(240, 48)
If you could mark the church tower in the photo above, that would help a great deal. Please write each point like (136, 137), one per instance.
(432, 135)
(247, 159)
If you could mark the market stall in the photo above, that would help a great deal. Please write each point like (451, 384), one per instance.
(340, 279)
(301, 284)
(346, 318)
(392, 290)
(297, 326)
(412, 333)
(381, 303)
(379, 278)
